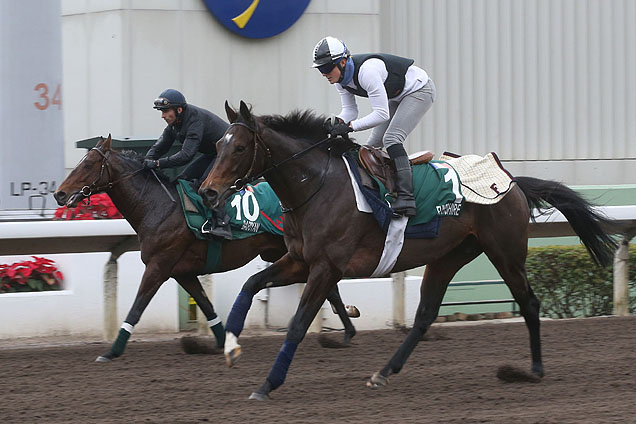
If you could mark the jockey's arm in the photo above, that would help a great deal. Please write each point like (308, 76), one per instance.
(349, 110)
(162, 145)
(188, 151)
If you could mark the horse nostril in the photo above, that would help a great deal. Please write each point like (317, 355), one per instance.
(209, 195)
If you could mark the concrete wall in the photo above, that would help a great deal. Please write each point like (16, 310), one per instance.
(79, 308)
(546, 84)
(119, 55)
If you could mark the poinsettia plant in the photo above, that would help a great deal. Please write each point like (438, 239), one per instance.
(99, 207)
(39, 274)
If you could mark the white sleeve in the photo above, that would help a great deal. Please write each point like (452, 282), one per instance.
(349, 110)
(371, 77)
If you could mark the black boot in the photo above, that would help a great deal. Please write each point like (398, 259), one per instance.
(218, 225)
(405, 202)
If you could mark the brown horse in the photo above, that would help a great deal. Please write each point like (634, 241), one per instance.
(328, 238)
(168, 247)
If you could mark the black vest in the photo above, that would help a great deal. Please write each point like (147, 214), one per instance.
(396, 66)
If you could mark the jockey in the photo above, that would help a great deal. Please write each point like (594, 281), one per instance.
(400, 94)
(197, 130)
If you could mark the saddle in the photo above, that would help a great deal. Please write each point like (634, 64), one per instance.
(378, 163)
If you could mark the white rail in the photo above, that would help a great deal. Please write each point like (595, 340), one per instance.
(117, 237)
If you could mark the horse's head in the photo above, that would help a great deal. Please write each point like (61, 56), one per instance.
(90, 176)
(241, 155)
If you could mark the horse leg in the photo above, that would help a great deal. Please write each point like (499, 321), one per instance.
(436, 278)
(193, 286)
(510, 263)
(322, 278)
(283, 272)
(150, 283)
(336, 301)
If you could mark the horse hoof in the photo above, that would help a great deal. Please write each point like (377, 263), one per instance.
(232, 357)
(258, 396)
(377, 380)
(537, 370)
(103, 359)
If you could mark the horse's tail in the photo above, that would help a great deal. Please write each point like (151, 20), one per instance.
(587, 223)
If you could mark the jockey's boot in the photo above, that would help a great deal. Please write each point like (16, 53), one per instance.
(221, 227)
(405, 202)
(218, 225)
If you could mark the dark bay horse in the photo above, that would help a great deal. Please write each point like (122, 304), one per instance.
(328, 238)
(168, 247)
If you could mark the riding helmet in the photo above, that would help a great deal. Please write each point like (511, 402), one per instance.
(169, 98)
(328, 52)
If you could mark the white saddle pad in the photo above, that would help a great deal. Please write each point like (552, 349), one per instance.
(484, 180)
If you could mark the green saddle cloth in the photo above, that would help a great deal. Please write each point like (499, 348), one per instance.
(252, 211)
(437, 192)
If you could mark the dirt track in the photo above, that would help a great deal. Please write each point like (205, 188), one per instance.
(590, 377)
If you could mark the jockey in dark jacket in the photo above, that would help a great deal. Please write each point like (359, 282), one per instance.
(197, 130)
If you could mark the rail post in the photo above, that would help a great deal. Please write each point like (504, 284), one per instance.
(399, 291)
(110, 299)
(621, 278)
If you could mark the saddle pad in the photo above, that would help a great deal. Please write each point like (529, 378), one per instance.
(254, 210)
(435, 194)
(484, 180)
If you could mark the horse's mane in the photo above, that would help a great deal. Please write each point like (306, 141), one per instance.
(304, 125)
(133, 156)
(298, 124)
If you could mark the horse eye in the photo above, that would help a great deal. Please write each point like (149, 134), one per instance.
(239, 149)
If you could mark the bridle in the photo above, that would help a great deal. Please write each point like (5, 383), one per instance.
(88, 190)
(258, 141)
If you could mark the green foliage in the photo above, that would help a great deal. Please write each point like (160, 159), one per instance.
(568, 283)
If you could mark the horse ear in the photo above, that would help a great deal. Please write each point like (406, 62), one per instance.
(231, 113)
(107, 142)
(245, 111)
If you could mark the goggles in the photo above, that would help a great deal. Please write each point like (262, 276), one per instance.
(162, 103)
(326, 68)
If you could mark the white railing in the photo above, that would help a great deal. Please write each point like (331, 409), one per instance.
(117, 237)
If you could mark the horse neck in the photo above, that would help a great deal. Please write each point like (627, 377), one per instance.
(298, 179)
(140, 198)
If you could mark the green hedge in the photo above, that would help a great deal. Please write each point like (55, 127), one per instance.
(568, 283)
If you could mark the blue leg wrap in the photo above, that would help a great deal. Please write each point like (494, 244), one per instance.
(278, 373)
(236, 319)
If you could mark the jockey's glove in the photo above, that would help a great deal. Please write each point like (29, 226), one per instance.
(151, 163)
(340, 129)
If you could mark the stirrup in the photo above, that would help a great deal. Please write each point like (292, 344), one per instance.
(404, 210)
(210, 231)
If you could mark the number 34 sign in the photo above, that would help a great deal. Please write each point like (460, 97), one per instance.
(45, 99)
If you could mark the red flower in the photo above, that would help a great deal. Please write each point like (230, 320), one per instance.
(100, 207)
(15, 277)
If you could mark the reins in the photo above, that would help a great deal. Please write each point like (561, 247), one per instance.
(88, 190)
(247, 179)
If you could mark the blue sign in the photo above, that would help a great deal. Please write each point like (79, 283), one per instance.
(257, 18)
